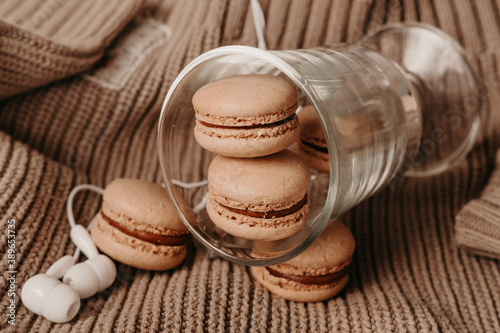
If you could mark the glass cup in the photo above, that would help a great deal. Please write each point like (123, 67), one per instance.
(408, 89)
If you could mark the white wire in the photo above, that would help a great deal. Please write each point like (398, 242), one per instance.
(260, 23)
(199, 207)
(189, 185)
(69, 207)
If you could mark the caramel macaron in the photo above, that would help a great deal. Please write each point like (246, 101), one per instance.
(312, 145)
(138, 225)
(356, 131)
(262, 198)
(318, 273)
(246, 115)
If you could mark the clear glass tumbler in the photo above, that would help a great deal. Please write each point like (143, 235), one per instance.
(413, 96)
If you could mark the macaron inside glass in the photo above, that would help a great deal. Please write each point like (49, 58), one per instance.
(355, 132)
(138, 225)
(318, 273)
(312, 145)
(246, 115)
(262, 198)
(358, 131)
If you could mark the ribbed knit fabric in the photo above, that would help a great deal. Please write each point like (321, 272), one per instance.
(477, 224)
(407, 274)
(43, 41)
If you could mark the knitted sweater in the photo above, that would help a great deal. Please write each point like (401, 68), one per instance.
(81, 88)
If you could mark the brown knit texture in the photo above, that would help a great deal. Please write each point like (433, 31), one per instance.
(477, 226)
(407, 274)
(42, 41)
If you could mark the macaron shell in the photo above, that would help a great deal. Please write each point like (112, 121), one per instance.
(253, 228)
(281, 178)
(243, 96)
(252, 142)
(294, 291)
(333, 248)
(133, 251)
(144, 203)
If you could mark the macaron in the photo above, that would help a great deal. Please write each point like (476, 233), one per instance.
(359, 130)
(312, 145)
(355, 131)
(138, 225)
(246, 115)
(261, 198)
(318, 273)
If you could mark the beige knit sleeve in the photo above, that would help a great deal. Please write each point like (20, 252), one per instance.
(477, 225)
(44, 41)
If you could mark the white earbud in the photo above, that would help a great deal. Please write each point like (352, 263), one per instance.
(45, 295)
(59, 302)
(93, 275)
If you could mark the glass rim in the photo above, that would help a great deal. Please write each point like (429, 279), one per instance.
(330, 136)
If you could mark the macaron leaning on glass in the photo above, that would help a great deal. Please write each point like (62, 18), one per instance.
(312, 145)
(262, 198)
(246, 115)
(138, 225)
(356, 131)
(318, 273)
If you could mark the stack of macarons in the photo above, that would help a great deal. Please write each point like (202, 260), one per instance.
(257, 187)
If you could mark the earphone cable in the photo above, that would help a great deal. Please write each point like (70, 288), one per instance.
(69, 208)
